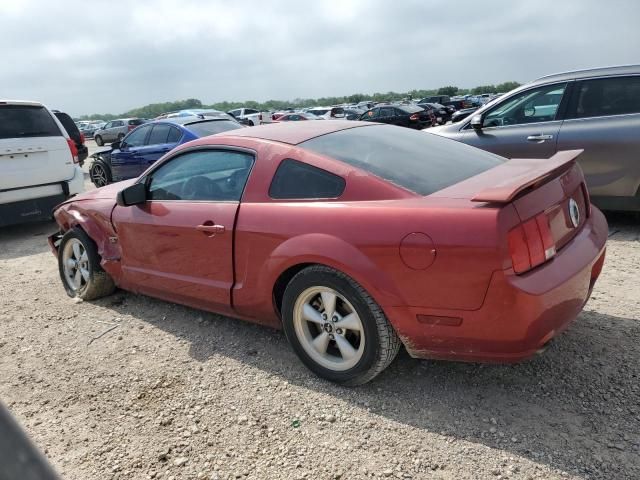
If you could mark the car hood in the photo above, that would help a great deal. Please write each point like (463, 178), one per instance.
(107, 192)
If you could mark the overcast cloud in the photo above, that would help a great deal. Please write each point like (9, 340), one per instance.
(110, 56)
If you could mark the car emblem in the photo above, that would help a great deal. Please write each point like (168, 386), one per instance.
(574, 212)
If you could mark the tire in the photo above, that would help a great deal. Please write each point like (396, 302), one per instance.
(100, 174)
(252, 123)
(96, 283)
(99, 141)
(373, 342)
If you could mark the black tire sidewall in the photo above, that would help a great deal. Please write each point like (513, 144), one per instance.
(94, 260)
(342, 285)
(106, 170)
(99, 141)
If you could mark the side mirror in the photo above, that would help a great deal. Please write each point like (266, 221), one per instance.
(132, 195)
(116, 145)
(476, 122)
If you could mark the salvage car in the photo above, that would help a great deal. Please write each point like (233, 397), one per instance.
(141, 147)
(597, 110)
(409, 116)
(355, 238)
(39, 165)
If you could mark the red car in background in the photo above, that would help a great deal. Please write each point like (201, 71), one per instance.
(296, 117)
(353, 237)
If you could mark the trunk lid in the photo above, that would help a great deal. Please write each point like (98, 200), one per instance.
(554, 187)
(33, 149)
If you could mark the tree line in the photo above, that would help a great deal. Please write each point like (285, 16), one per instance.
(154, 109)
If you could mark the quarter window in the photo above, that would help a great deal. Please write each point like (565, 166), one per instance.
(203, 175)
(159, 134)
(174, 135)
(531, 106)
(297, 180)
(607, 96)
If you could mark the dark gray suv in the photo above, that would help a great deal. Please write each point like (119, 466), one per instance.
(597, 110)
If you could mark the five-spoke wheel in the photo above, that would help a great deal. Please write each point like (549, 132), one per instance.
(335, 327)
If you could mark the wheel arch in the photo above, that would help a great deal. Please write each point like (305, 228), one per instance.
(301, 252)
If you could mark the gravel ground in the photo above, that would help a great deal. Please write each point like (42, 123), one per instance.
(175, 393)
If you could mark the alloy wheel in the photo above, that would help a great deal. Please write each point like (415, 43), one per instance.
(99, 176)
(329, 328)
(75, 261)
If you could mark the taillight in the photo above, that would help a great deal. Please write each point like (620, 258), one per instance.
(415, 116)
(531, 244)
(131, 127)
(74, 150)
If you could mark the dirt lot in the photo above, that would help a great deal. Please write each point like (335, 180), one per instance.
(172, 392)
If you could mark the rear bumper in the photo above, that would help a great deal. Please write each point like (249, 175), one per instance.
(36, 202)
(33, 210)
(520, 313)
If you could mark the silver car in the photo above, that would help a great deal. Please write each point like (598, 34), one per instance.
(597, 110)
(115, 130)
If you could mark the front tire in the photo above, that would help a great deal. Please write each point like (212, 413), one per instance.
(336, 328)
(100, 174)
(99, 141)
(79, 267)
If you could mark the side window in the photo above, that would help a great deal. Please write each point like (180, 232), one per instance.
(250, 111)
(108, 125)
(174, 135)
(607, 96)
(235, 113)
(386, 112)
(159, 134)
(137, 137)
(297, 180)
(373, 113)
(532, 106)
(203, 175)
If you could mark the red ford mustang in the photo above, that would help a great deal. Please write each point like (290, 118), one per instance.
(353, 237)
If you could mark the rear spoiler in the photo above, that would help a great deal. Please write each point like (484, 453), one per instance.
(522, 173)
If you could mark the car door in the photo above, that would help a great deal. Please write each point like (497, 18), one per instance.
(126, 161)
(371, 115)
(525, 125)
(603, 118)
(178, 244)
(162, 139)
(387, 115)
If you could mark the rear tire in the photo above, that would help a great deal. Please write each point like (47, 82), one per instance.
(337, 330)
(79, 266)
(99, 141)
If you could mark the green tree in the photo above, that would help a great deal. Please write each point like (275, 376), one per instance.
(506, 86)
(483, 89)
(449, 90)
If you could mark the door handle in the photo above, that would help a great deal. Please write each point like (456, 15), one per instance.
(539, 138)
(210, 228)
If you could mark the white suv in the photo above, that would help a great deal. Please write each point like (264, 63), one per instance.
(38, 163)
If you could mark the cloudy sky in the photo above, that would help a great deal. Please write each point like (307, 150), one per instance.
(110, 56)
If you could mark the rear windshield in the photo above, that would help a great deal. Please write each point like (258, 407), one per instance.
(137, 121)
(418, 161)
(410, 108)
(319, 111)
(69, 125)
(211, 127)
(20, 121)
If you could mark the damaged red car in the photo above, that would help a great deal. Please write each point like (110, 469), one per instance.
(355, 238)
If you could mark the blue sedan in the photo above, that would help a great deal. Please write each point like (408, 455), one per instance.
(150, 141)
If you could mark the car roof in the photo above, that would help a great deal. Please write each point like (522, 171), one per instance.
(588, 73)
(20, 102)
(191, 119)
(295, 133)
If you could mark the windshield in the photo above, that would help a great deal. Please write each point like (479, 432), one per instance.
(418, 161)
(20, 121)
(211, 127)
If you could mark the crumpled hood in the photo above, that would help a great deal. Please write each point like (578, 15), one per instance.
(107, 192)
